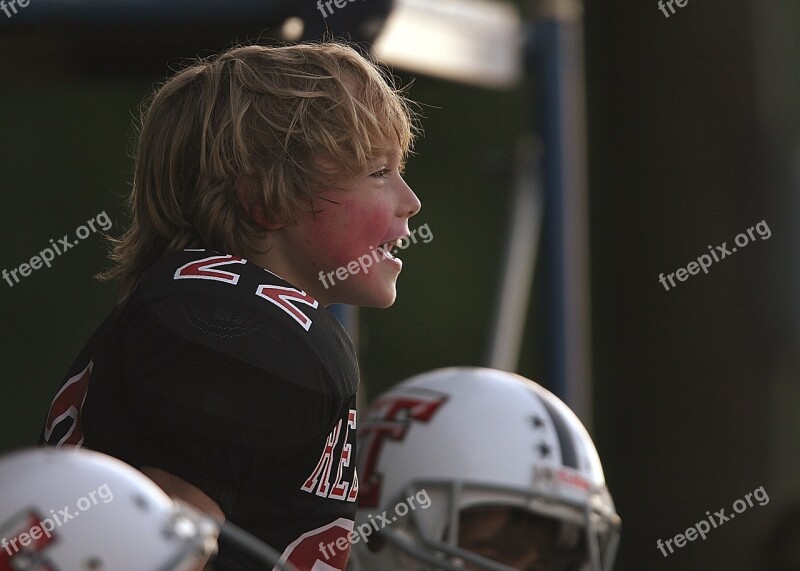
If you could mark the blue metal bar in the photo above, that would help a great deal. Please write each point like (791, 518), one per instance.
(119, 12)
(557, 61)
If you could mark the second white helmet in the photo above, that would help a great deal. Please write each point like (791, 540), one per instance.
(69, 509)
(464, 438)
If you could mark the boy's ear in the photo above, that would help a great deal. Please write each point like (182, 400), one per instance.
(248, 203)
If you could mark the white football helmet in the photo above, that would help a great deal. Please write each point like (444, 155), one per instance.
(471, 439)
(69, 509)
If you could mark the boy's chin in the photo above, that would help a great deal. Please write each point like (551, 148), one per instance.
(379, 298)
(384, 304)
(382, 301)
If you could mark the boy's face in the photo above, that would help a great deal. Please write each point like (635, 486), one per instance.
(515, 538)
(335, 253)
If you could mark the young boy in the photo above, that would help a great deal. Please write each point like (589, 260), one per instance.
(220, 374)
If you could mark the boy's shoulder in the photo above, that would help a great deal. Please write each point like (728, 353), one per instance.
(235, 307)
(200, 277)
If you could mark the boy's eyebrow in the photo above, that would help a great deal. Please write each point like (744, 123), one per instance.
(388, 157)
(378, 161)
(376, 164)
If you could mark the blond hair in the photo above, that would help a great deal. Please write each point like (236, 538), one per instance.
(255, 119)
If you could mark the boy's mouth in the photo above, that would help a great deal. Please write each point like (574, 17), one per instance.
(386, 248)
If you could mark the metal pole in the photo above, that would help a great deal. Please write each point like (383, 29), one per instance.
(521, 251)
(561, 121)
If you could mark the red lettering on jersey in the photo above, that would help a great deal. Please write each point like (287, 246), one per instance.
(203, 269)
(323, 470)
(339, 490)
(389, 417)
(66, 409)
(326, 548)
(319, 480)
(353, 495)
(26, 536)
(283, 296)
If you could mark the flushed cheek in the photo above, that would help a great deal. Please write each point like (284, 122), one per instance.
(345, 239)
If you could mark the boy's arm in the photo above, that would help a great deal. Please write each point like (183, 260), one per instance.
(176, 487)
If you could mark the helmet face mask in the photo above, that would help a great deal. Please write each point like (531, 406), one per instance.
(558, 543)
(520, 539)
(510, 472)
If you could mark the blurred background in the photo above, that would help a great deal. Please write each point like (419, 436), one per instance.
(692, 135)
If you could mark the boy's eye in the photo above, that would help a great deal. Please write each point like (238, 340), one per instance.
(381, 173)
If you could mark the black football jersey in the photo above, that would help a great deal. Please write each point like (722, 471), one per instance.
(227, 376)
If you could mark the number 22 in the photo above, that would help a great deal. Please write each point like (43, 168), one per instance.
(207, 269)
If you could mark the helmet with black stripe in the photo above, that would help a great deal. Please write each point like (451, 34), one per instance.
(475, 468)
